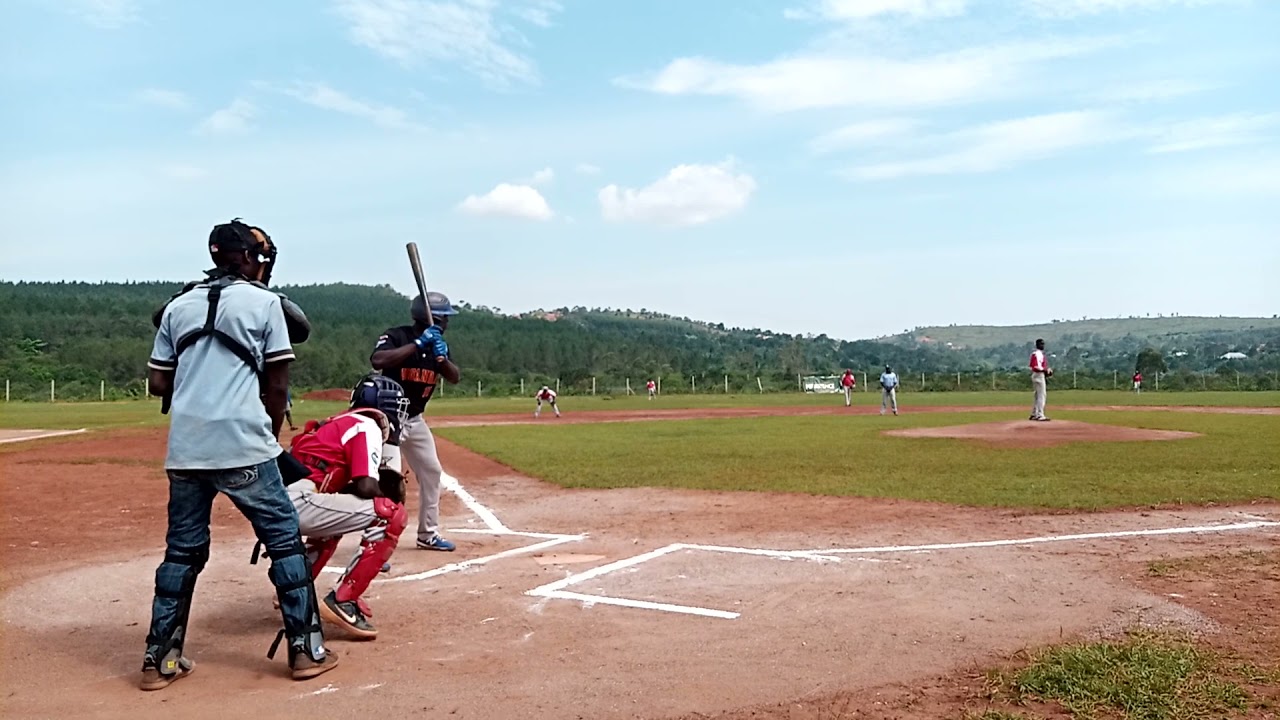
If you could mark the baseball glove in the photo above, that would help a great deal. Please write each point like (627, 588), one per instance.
(392, 484)
(1048, 372)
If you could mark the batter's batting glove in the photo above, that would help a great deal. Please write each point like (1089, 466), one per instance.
(440, 348)
(429, 337)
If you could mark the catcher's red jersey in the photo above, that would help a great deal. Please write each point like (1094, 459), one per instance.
(344, 446)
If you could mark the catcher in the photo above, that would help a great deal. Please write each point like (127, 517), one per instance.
(349, 490)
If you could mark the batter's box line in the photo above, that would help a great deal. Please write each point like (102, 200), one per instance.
(558, 589)
(493, 526)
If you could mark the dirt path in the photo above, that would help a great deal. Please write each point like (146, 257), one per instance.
(811, 618)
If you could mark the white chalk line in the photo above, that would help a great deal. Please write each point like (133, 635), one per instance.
(557, 589)
(494, 527)
(41, 436)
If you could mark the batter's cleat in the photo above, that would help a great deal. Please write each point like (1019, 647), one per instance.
(347, 616)
(435, 542)
(304, 668)
(153, 679)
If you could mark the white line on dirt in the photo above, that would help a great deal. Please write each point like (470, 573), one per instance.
(41, 436)
(455, 567)
(589, 600)
(557, 588)
(450, 483)
(1202, 529)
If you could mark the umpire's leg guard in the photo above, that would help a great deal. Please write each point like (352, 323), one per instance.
(291, 574)
(175, 584)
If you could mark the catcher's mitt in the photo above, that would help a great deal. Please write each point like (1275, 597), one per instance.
(392, 484)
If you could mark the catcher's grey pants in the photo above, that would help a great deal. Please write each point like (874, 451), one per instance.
(889, 399)
(1041, 390)
(418, 446)
(326, 515)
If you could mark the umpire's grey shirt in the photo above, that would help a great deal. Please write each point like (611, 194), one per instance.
(218, 420)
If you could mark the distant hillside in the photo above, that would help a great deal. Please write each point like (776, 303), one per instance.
(80, 334)
(1160, 331)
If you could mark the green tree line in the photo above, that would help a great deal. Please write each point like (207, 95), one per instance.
(80, 334)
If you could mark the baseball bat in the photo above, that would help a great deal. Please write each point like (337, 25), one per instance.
(415, 262)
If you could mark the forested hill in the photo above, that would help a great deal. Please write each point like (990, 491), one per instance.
(80, 333)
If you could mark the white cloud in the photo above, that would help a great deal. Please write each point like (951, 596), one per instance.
(825, 80)
(687, 195)
(170, 99)
(471, 33)
(1216, 132)
(1000, 145)
(863, 133)
(1076, 8)
(587, 169)
(543, 176)
(106, 14)
(507, 200)
(864, 9)
(231, 120)
(327, 98)
(1154, 91)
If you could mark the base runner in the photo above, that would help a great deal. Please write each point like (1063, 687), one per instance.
(349, 491)
(547, 395)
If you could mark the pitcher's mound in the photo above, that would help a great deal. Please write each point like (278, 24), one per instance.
(1026, 433)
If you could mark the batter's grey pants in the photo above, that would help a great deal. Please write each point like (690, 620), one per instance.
(418, 446)
(889, 398)
(1041, 390)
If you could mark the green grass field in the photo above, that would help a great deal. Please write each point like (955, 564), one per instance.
(139, 413)
(847, 455)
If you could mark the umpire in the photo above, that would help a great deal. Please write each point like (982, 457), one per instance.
(221, 362)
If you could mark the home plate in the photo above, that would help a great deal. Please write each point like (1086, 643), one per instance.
(566, 558)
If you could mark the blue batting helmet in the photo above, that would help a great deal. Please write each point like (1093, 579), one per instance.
(439, 303)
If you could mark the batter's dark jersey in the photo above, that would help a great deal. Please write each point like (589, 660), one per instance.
(418, 375)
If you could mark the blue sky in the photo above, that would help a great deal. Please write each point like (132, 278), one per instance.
(853, 167)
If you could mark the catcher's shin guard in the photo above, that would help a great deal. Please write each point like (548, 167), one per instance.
(175, 584)
(291, 575)
(319, 552)
(377, 545)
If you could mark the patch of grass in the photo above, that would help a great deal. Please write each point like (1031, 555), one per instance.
(1141, 677)
(147, 412)
(847, 455)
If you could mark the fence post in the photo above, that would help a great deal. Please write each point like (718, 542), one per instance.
(478, 388)
(52, 393)
(628, 386)
(726, 384)
(993, 380)
(6, 390)
(1073, 379)
(557, 386)
(593, 385)
(1157, 381)
(521, 387)
(758, 384)
(659, 388)
(921, 381)
(864, 381)
(1115, 379)
(1237, 379)
(693, 384)
(799, 383)
(102, 390)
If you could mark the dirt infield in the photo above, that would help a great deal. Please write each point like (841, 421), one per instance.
(647, 603)
(1025, 433)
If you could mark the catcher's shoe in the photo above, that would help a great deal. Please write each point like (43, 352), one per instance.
(347, 616)
(153, 679)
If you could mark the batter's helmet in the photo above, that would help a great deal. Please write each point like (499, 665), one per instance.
(381, 393)
(440, 307)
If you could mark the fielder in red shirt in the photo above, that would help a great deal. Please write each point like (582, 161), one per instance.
(653, 389)
(350, 490)
(848, 382)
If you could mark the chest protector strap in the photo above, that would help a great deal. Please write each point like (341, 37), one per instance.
(209, 330)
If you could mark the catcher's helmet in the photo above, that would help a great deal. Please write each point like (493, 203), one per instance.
(381, 393)
(236, 236)
(440, 307)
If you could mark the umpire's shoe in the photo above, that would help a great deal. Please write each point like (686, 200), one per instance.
(347, 616)
(435, 542)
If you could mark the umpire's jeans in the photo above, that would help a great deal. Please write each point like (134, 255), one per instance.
(258, 492)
